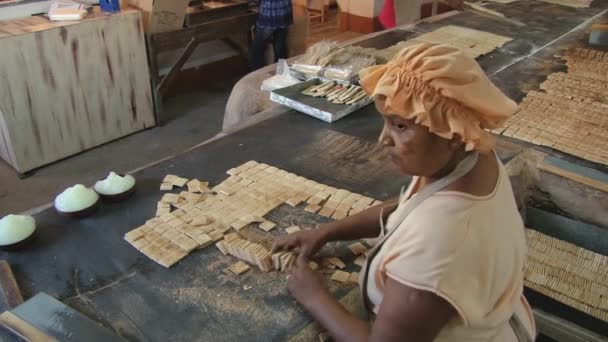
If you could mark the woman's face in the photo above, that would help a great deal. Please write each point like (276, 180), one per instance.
(415, 150)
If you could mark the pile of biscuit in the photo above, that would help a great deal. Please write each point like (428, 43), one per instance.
(196, 218)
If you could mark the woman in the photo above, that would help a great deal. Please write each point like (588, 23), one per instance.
(449, 264)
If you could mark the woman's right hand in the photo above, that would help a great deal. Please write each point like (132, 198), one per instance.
(305, 242)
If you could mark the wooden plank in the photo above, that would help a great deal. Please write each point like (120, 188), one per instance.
(61, 321)
(8, 286)
(200, 16)
(65, 90)
(154, 79)
(23, 329)
(561, 330)
(577, 177)
(214, 30)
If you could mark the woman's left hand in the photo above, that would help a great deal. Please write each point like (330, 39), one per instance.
(304, 283)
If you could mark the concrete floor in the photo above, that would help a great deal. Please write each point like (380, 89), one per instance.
(194, 117)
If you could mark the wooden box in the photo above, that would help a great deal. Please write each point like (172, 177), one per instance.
(161, 15)
(66, 87)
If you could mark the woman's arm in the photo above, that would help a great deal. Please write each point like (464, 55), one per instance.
(362, 225)
(406, 313)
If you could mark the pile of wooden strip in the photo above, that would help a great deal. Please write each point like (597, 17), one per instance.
(337, 93)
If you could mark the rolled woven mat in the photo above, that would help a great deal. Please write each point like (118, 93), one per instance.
(567, 273)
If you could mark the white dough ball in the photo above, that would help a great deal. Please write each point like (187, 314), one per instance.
(75, 199)
(114, 184)
(16, 228)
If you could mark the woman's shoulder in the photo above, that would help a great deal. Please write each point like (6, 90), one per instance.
(444, 208)
(442, 220)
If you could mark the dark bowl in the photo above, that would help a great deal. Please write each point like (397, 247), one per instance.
(80, 213)
(118, 197)
(21, 244)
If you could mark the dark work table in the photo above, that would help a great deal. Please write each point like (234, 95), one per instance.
(87, 264)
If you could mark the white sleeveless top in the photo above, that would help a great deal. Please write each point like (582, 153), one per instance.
(469, 250)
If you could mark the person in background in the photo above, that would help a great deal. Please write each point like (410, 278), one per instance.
(450, 260)
(274, 18)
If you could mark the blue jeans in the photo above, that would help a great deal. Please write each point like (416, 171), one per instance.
(262, 37)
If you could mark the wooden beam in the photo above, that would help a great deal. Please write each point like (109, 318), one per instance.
(176, 67)
(196, 16)
(594, 183)
(212, 30)
(8, 285)
(562, 330)
(434, 8)
(23, 329)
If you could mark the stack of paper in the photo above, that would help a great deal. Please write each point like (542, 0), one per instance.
(66, 10)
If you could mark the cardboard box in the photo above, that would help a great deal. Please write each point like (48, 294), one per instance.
(161, 15)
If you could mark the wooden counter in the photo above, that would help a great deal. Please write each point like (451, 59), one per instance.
(66, 87)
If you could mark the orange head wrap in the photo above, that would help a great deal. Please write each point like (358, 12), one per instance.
(443, 89)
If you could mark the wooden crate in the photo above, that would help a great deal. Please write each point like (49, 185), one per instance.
(66, 87)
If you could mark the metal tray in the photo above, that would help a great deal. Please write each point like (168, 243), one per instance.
(317, 107)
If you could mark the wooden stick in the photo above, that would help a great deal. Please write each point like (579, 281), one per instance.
(23, 329)
(594, 183)
(434, 8)
(161, 89)
(8, 287)
(495, 14)
(479, 8)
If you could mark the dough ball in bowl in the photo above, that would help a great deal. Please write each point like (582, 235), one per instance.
(16, 231)
(115, 187)
(77, 201)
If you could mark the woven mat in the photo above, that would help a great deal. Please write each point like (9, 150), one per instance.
(570, 3)
(567, 273)
(571, 114)
(473, 42)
